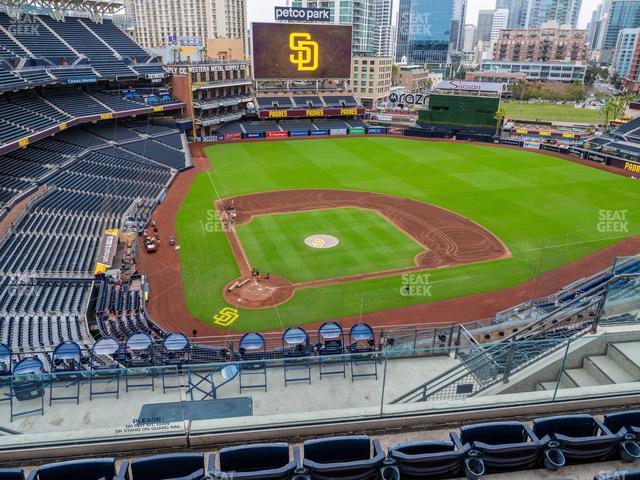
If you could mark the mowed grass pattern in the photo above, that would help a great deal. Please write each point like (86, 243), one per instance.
(545, 209)
(368, 243)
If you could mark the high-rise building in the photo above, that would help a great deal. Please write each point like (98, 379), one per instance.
(625, 48)
(517, 11)
(485, 24)
(500, 21)
(552, 43)
(157, 20)
(621, 14)
(632, 80)
(361, 14)
(564, 12)
(383, 29)
(430, 31)
(469, 38)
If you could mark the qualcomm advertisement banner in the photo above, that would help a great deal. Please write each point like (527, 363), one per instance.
(298, 133)
(319, 133)
(534, 145)
(338, 131)
(376, 131)
(357, 131)
(252, 135)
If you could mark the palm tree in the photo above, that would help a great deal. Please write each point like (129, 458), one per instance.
(500, 116)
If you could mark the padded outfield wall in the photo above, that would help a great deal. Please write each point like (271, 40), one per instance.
(455, 111)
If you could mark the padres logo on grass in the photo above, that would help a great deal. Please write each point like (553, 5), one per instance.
(306, 52)
(321, 241)
(226, 317)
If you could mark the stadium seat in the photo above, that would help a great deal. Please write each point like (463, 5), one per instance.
(91, 469)
(11, 474)
(353, 458)
(172, 466)
(502, 446)
(255, 462)
(427, 459)
(574, 439)
(627, 426)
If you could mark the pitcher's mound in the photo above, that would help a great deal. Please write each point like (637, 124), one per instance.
(256, 293)
(321, 241)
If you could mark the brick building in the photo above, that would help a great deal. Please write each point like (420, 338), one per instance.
(552, 43)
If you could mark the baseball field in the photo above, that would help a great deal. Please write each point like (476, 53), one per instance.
(411, 221)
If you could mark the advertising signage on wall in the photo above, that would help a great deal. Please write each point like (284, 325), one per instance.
(302, 14)
(187, 69)
(301, 51)
(312, 113)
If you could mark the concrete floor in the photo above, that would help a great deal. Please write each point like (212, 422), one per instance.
(111, 418)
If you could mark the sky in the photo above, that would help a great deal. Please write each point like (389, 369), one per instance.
(262, 10)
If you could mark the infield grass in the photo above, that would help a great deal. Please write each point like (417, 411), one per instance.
(368, 243)
(550, 112)
(545, 209)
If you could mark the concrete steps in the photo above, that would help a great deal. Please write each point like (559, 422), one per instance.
(621, 364)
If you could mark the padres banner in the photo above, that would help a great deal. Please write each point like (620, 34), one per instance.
(299, 51)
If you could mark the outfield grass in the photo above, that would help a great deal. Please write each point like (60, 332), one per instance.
(368, 243)
(545, 209)
(549, 112)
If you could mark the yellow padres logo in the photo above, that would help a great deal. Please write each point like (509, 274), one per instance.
(306, 51)
(226, 317)
(318, 242)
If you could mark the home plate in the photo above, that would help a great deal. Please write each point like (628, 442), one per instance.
(321, 241)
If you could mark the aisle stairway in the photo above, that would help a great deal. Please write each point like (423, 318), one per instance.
(621, 364)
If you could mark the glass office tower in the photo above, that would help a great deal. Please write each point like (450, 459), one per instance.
(429, 31)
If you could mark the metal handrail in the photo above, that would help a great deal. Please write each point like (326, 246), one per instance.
(536, 329)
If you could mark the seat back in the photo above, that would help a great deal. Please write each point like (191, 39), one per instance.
(91, 469)
(576, 426)
(165, 467)
(11, 474)
(338, 449)
(497, 433)
(616, 421)
(427, 459)
(254, 458)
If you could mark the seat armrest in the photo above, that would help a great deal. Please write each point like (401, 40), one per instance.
(377, 449)
(456, 440)
(532, 436)
(603, 427)
(123, 471)
(297, 457)
(211, 463)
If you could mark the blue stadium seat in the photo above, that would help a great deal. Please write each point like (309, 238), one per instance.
(427, 459)
(503, 446)
(172, 466)
(580, 438)
(11, 474)
(91, 469)
(255, 462)
(353, 458)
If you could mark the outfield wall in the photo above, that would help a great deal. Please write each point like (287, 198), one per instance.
(628, 166)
